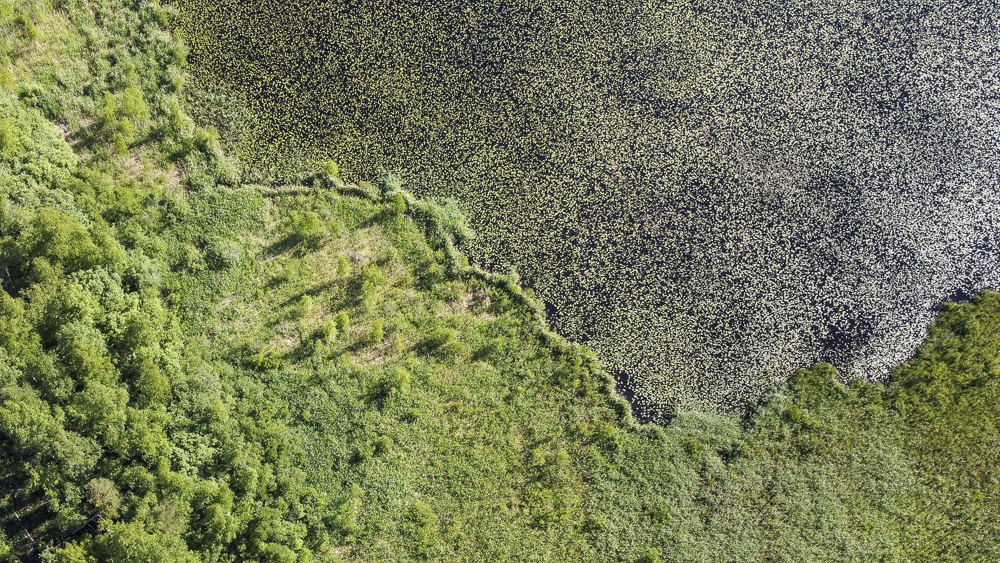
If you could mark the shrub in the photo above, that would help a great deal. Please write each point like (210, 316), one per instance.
(10, 140)
(127, 129)
(99, 411)
(119, 143)
(62, 240)
(132, 543)
(192, 258)
(422, 528)
(383, 445)
(377, 335)
(345, 519)
(363, 453)
(660, 515)
(71, 552)
(693, 447)
(368, 188)
(30, 31)
(368, 291)
(302, 308)
(391, 183)
(817, 385)
(437, 338)
(453, 222)
(343, 322)
(6, 79)
(398, 205)
(224, 254)
(109, 110)
(372, 274)
(343, 267)
(396, 383)
(328, 331)
(277, 553)
(156, 14)
(133, 106)
(609, 437)
(652, 555)
(262, 361)
(153, 386)
(309, 230)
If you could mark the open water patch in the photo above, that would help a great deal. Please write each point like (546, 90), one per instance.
(710, 193)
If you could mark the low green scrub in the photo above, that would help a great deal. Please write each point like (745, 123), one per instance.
(192, 370)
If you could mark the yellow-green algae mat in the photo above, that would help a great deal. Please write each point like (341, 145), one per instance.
(708, 193)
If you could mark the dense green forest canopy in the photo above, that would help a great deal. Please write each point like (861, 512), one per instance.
(195, 368)
(710, 193)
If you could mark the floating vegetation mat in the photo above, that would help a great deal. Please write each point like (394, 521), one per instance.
(709, 193)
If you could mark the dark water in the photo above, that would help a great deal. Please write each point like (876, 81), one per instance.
(711, 194)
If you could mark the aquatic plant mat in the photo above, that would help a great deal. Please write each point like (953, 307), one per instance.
(710, 194)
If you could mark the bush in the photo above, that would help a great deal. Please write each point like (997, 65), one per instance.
(132, 543)
(119, 144)
(368, 291)
(345, 518)
(224, 254)
(62, 240)
(398, 205)
(264, 361)
(693, 447)
(7, 80)
(328, 331)
(127, 129)
(153, 386)
(133, 106)
(302, 307)
(377, 335)
(422, 528)
(395, 384)
(30, 31)
(10, 140)
(391, 183)
(652, 555)
(343, 267)
(191, 258)
(71, 552)
(343, 322)
(383, 445)
(437, 338)
(309, 230)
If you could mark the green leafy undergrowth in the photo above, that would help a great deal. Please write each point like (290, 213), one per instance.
(465, 431)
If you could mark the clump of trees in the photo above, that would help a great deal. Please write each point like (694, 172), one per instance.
(117, 445)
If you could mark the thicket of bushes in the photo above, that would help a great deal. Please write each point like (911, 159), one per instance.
(193, 370)
(106, 424)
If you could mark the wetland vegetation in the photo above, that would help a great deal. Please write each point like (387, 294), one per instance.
(710, 194)
(206, 359)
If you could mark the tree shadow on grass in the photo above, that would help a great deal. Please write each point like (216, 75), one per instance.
(282, 246)
(311, 292)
